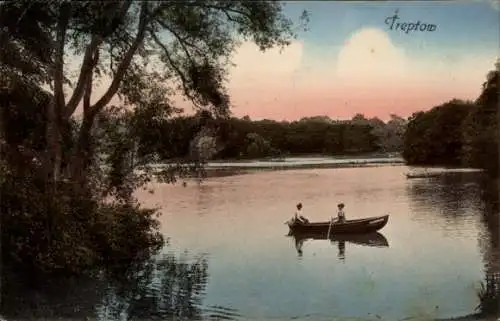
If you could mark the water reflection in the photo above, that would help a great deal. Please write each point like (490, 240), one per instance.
(489, 294)
(371, 239)
(252, 274)
(163, 288)
(454, 195)
(168, 287)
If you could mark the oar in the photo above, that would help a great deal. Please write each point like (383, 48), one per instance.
(329, 228)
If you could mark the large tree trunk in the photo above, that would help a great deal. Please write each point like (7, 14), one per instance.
(56, 108)
(81, 156)
(53, 157)
(59, 111)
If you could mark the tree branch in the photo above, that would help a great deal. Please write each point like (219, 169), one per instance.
(228, 10)
(59, 58)
(84, 71)
(125, 63)
(182, 40)
(88, 65)
(173, 65)
(87, 93)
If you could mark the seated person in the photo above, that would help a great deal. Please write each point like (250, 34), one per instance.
(340, 213)
(298, 215)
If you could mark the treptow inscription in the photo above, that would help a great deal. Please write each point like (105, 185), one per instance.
(394, 23)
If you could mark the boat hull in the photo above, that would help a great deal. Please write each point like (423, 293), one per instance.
(358, 226)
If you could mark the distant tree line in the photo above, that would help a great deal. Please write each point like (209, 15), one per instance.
(240, 138)
(458, 133)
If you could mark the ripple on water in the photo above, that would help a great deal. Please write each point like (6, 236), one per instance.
(242, 266)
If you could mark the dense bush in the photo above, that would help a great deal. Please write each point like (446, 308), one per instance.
(65, 231)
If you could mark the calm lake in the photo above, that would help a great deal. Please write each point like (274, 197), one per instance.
(229, 256)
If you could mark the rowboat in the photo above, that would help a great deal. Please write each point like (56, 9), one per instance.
(356, 226)
(374, 239)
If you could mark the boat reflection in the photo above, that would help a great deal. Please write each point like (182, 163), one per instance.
(375, 239)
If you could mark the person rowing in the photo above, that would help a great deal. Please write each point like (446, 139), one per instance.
(339, 220)
(341, 213)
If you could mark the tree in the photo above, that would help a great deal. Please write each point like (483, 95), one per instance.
(59, 171)
(258, 146)
(395, 128)
(145, 49)
(481, 127)
(435, 137)
(458, 132)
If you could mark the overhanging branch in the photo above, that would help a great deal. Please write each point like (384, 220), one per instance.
(86, 68)
(182, 40)
(125, 63)
(174, 66)
(88, 64)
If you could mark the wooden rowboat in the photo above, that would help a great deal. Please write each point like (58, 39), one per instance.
(357, 226)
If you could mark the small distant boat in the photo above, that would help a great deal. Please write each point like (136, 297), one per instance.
(357, 226)
(423, 175)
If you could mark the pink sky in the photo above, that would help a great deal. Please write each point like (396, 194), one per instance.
(368, 74)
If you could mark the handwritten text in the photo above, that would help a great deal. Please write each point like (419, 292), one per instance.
(406, 27)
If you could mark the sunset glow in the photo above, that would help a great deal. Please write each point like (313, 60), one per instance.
(351, 62)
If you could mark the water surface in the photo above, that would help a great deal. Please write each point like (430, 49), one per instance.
(229, 256)
(431, 268)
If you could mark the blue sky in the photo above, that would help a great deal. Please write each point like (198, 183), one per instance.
(330, 69)
(463, 26)
(350, 62)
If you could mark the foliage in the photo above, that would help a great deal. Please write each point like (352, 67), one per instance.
(489, 296)
(68, 232)
(244, 138)
(457, 132)
(67, 184)
(389, 135)
(435, 137)
(481, 127)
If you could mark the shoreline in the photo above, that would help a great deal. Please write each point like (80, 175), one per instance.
(282, 158)
(236, 169)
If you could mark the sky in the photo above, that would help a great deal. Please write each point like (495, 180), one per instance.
(350, 61)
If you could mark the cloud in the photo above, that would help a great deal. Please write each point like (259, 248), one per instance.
(259, 79)
(251, 64)
(369, 58)
(368, 73)
(495, 4)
